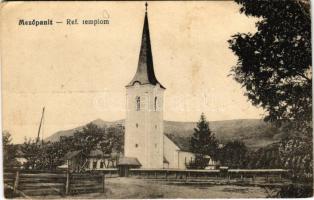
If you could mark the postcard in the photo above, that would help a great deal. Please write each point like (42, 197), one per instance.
(156, 99)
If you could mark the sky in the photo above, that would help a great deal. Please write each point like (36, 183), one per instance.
(79, 72)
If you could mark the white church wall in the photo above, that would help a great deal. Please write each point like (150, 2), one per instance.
(176, 157)
(144, 127)
(171, 153)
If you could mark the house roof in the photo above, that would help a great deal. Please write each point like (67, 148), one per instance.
(145, 69)
(99, 153)
(183, 143)
(15, 163)
(96, 153)
(128, 161)
(19, 153)
(64, 166)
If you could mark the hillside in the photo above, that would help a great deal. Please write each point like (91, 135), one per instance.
(99, 122)
(255, 133)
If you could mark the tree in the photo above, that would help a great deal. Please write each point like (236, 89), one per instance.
(88, 138)
(113, 140)
(294, 153)
(6, 138)
(203, 142)
(234, 154)
(274, 64)
(52, 155)
(49, 155)
(32, 152)
(9, 150)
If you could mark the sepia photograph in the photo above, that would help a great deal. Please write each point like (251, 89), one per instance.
(156, 99)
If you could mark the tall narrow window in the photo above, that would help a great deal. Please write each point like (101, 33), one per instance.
(155, 104)
(138, 103)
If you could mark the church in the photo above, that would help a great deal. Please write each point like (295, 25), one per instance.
(145, 141)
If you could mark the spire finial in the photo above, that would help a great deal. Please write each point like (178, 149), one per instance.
(146, 5)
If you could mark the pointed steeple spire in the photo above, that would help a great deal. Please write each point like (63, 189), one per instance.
(145, 69)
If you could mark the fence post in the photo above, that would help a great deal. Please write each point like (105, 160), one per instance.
(103, 182)
(16, 182)
(67, 183)
(186, 176)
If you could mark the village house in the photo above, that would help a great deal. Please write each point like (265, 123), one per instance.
(96, 160)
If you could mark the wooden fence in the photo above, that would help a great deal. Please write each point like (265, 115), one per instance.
(108, 172)
(41, 184)
(31, 183)
(86, 183)
(251, 175)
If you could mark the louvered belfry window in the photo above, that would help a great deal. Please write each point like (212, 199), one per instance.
(138, 103)
(155, 104)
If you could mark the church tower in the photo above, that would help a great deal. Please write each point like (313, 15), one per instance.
(144, 116)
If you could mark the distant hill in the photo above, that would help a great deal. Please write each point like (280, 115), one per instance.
(99, 122)
(254, 132)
